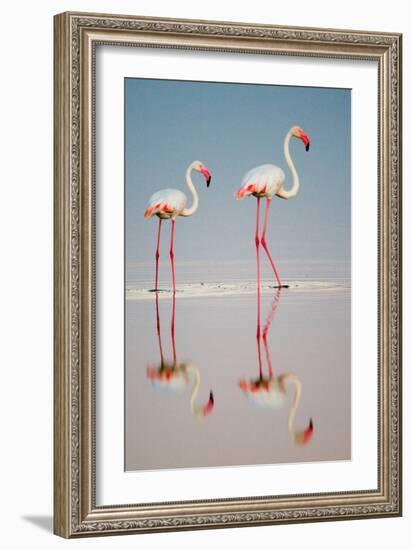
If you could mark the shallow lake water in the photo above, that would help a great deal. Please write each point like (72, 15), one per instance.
(308, 335)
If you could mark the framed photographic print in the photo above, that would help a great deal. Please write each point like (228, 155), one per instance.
(227, 274)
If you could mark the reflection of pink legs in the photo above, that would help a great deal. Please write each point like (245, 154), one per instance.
(172, 254)
(157, 253)
(259, 353)
(271, 314)
(269, 364)
(159, 338)
(263, 241)
(173, 328)
(266, 328)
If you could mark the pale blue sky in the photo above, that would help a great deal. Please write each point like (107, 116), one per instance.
(232, 128)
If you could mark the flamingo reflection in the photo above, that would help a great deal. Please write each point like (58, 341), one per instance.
(174, 377)
(269, 392)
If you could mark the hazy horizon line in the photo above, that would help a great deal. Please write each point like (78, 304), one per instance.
(188, 262)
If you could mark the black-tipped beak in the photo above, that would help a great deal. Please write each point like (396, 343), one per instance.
(311, 424)
(211, 398)
(307, 146)
(206, 174)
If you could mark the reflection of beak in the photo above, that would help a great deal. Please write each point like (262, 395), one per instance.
(207, 175)
(303, 438)
(208, 408)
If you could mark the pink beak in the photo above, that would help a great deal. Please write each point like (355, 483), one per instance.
(307, 434)
(207, 175)
(305, 139)
(208, 408)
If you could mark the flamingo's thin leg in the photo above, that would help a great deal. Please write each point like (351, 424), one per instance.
(157, 253)
(159, 338)
(264, 244)
(172, 254)
(173, 328)
(258, 267)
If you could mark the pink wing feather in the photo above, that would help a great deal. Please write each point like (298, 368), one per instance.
(166, 201)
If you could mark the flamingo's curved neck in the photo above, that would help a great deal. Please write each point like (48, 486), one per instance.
(298, 392)
(196, 387)
(295, 178)
(195, 198)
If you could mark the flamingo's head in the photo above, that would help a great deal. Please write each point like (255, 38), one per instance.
(297, 132)
(200, 167)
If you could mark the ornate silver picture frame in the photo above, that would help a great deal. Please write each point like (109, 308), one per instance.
(76, 509)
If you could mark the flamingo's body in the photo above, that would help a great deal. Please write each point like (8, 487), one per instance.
(168, 204)
(168, 377)
(265, 393)
(175, 379)
(267, 181)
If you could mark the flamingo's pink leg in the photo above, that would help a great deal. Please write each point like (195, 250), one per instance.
(173, 328)
(264, 244)
(172, 254)
(258, 267)
(157, 253)
(159, 338)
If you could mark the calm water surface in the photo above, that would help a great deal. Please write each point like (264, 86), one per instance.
(309, 337)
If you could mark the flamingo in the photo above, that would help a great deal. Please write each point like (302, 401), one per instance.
(266, 181)
(270, 392)
(174, 377)
(168, 204)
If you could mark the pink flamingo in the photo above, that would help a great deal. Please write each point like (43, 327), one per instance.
(168, 204)
(268, 180)
(174, 376)
(270, 392)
